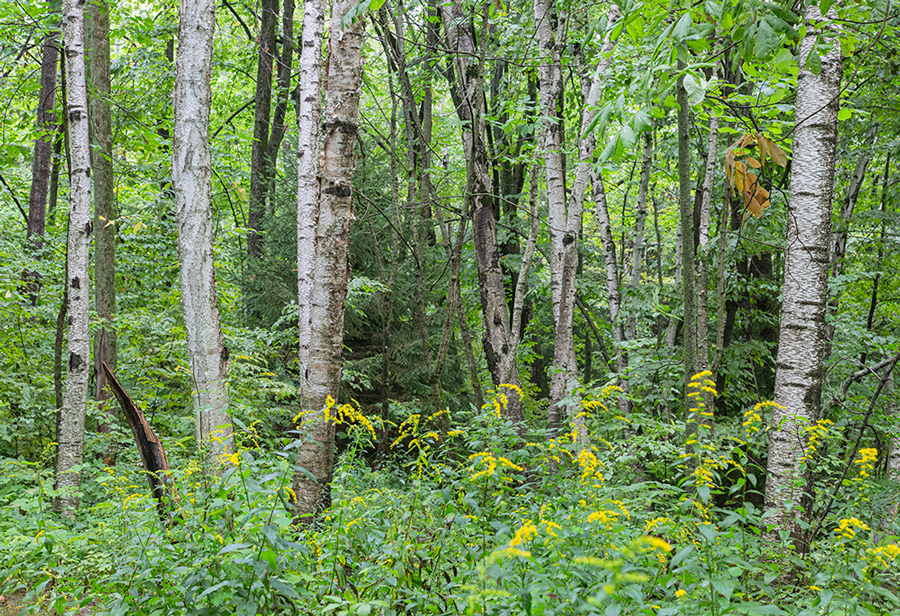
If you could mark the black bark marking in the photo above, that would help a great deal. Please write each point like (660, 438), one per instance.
(76, 282)
(75, 361)
(339, 190)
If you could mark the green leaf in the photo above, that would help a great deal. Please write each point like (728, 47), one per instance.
(724, 587)
(696, 90)
(767, 41)
(844, 114)
(627, 137)
(680, 31)
(825, 6)
(814, 62)
(642, 120)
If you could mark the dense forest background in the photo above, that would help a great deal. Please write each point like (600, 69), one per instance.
(498, 307)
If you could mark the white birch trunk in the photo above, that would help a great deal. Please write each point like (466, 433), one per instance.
(191, 179)
(331, 269)
(801, 345)
(70, 420)
(309, 114)
(703, 265)
(549, 43)
(565, 227)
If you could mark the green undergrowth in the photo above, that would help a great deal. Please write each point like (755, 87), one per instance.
(611, 517)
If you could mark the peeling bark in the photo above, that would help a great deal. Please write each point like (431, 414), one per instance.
(331, 271)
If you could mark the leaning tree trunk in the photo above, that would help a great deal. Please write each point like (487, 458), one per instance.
(97, 41)
(191, 179)
(70, 420)
(801, 345)
(315, 456)
(467, 68)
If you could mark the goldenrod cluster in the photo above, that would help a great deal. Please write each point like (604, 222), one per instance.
(885, 555)
(488, 463)
(847, 527)
(343, 414)
(814, 434)
(591, 467)
(866, 460)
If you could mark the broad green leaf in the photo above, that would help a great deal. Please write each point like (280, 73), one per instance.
(724, 587)
(814, 62)
(844, 114)
(680, 31)
(696, 90)
(767, 41)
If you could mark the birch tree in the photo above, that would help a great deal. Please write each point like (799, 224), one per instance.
(191, 179)
(801, 345)
(315, 456)
(70, 420)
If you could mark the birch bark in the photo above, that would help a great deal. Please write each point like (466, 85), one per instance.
(801, 346)
(70, 420)
(191, 179)
(309, 112)
(331, 270)
(565, 224)
(703, 266)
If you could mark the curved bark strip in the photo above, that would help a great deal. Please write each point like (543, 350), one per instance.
(153, 454)
(467, 69)
(70, 424)
(315, 456)
(191, 178)
(801, 345)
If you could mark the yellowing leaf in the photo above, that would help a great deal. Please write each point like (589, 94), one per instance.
(777, 154)
(753, 163)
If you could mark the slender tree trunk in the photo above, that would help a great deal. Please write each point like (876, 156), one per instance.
(43, 145)
(549, 43)
(309, 112)
(688, 271)
(839, 246)
(706, 417)
(331, 270)
(42, 161)
(467, 67)
(191, 178)
(637, 250)
(285, 61)
(801, 345)
(105, 347)
(259, 158)
(70, 428)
